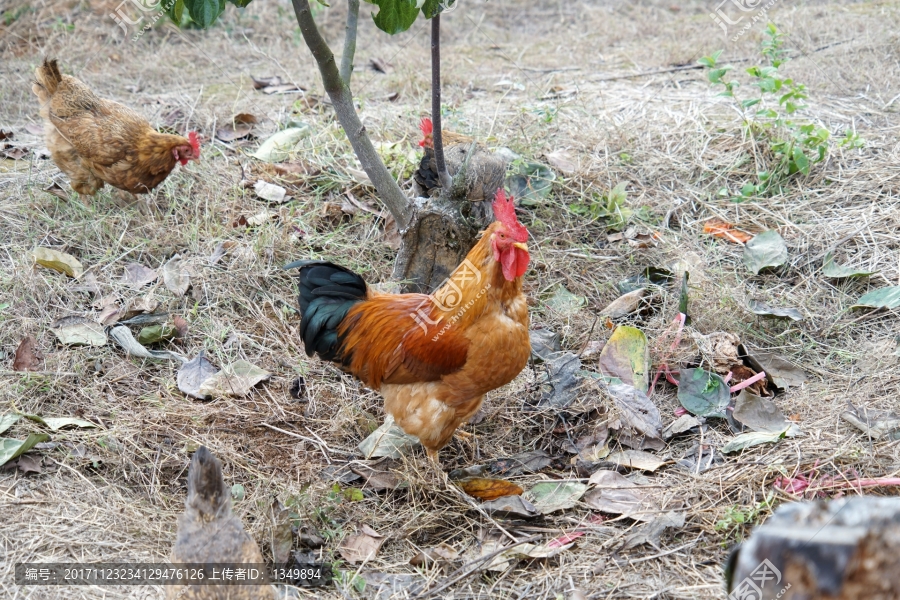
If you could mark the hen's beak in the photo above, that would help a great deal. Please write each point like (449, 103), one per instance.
(520, 246)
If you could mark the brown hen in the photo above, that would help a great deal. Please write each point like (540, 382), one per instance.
(96, 141)
(485, 170)
(208, 533)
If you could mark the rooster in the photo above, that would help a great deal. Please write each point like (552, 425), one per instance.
(96, 141)
(484, 172)
(433, 357)
(208, 533)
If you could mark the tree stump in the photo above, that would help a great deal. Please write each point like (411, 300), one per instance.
(838, 550)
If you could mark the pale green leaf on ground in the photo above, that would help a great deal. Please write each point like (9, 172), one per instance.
(531, 183)
(388, 440)
(236, 379)
(237, 492)
(551, 496)
(755, 438)
(703, 393)
(156, 333)
(886, 297)
(765, 250)
(626, 356)
(58, 261)
(766, 310)
(10, 448)
(278, 147)
(8, 420)
(836, 271)
(564, 302)
(57, 423)
(79, 331)
(636, 459)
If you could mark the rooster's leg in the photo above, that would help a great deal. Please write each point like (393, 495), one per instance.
(433, 456)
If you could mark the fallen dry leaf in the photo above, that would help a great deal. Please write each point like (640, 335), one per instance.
(362, 546)
(439, 554)
(239, 127)
(54, 190)
(614, 494)
(192, 374)
(29, 463)
(625, 304)
(489, 489)
(27, 357)
(511, 507)
(58, 261)
(282, 535)
(79, 331)
(270, 192)
(636, 459)
(562, 162)
(236, 379)
(722, 229)
(220, 250)
(175, 277)
(137, 275)
(376, 480)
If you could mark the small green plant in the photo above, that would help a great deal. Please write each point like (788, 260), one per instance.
(788, 145)
(613, 207)
(736, 520)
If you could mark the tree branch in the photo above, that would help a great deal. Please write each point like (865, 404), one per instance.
(437, 135)
(349, 41)
(342, 100)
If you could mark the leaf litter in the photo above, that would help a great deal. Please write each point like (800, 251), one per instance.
(58, 261)
(626, 356)
(764, 251)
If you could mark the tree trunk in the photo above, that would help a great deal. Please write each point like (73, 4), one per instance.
(437, 233)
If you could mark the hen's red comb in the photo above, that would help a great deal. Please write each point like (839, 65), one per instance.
(505, 212)
(195, 143)
(427, 129)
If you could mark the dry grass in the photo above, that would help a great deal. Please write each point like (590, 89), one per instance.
(666, 135)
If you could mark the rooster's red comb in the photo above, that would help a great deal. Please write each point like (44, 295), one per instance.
(195, 143)
(426, 126)
(505, 212)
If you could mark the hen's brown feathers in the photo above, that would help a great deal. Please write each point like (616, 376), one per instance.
(96, 141)
(484, 172)
(208, 533)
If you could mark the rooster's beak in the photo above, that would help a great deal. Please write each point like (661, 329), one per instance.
(520, 246)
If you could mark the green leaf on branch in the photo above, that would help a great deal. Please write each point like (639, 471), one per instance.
(395, 16)
(176, 11)
(204, 12)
